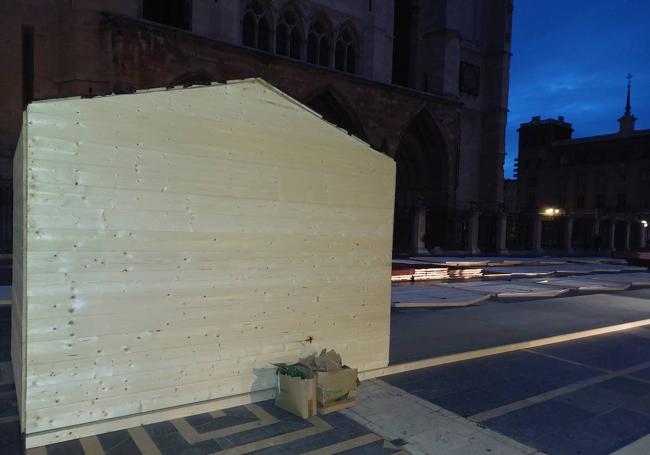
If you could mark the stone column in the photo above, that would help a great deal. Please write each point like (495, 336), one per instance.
(626, 244)
(472, 232)
(502, 230)
(596, 241)
(537, 233)
(419, 231)
(612, 235)
(568, 234)
(642, 234)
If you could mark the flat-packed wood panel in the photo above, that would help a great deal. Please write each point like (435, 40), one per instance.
(181, 241)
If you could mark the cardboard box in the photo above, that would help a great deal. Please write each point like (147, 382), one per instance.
(336, 388)
(297, 396)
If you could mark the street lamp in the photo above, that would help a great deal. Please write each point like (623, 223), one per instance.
(551, 211)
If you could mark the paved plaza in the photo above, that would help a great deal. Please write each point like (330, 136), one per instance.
(473, 370)
(589, 396)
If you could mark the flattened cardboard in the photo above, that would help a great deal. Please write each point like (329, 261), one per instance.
(297, 396)
(336, 385)
(337, 405)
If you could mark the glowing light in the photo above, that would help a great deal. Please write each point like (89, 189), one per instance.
(644, 223)
(551, 211)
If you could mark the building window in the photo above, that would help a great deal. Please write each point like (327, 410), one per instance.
(256, 26)
(318, 44)
(28, 64)
(288, 37)
(621, 200)
(346, 50)
(470, 78)
(175, 13)
(532, 200)
(580, 201)
(600, 201)
(645, 178)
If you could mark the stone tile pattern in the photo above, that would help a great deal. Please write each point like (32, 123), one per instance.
(421, 427)
(598, 418)
(261, 429)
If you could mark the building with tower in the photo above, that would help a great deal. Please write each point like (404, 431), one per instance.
(424, 82)
(582, 193)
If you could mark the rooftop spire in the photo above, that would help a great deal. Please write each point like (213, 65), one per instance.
(628, 110)
(626, 123)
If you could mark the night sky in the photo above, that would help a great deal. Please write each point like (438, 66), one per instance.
(571, 57)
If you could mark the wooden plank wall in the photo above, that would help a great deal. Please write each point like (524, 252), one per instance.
(18, 320)
(180, 241)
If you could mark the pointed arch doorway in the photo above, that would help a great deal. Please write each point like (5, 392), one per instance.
(422, 191)
(327, 105)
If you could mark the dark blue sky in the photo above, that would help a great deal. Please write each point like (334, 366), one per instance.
(571, 57)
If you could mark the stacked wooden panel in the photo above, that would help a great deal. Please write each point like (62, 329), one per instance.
(409, 270)
(464, 273)
(430, 273)
(178, 242)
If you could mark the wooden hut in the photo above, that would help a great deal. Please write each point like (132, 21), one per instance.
(171, 244)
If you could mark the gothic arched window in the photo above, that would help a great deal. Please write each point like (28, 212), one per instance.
(288, 36)
(256, 26)
(318, 44)
(346, 54)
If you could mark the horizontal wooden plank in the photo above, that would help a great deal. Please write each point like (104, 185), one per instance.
(56, 240)
(252, 310)
(108, 364)
(71, 197)
(110, 261)
(225, 324)
(54, 348)
(178, 244)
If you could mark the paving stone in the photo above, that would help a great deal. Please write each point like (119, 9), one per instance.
(642, 374)
(8, 407)
(639, 447)
(519, 388)
(5, 292)
(118, 442)
(10, 437)
(425, 428)
(65, 448)
(626, 386)
(596, 399)
(160, 428)
(203, 423)
(574, 442)
(622, 425)
(468, 402)
(603, 351)
(534, 422)
(374, 448)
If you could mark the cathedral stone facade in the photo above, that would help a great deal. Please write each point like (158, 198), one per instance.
(424, 82)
